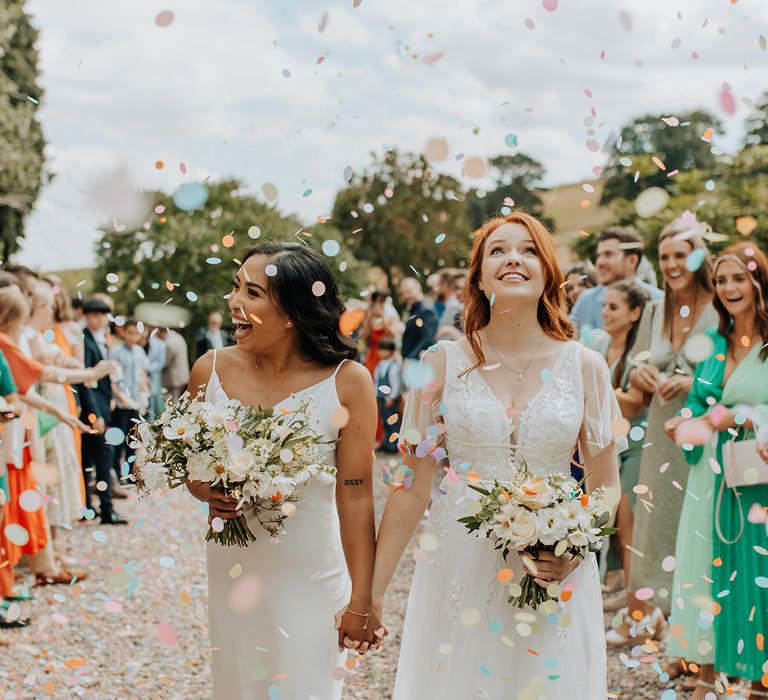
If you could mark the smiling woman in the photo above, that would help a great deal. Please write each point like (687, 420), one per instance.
(291, 356)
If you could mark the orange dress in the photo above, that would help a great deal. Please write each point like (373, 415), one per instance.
(26, 373)
(63, 342)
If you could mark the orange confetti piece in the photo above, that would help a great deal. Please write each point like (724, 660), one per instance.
(533, 651)
(350, 321)
(565, 596)
(159, 164)
(169, 285)
(280, 677)
(228, 241)
(75, 662)
(255, 318)
(49, 687)
(473, 477)
(760, 641)
(505, 575)
(584, 499)
(717, 562)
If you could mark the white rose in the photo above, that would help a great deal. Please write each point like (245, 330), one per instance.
(521, 530)
(239, 464)
(553, 525)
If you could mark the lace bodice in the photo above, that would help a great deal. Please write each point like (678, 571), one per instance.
(574, 406)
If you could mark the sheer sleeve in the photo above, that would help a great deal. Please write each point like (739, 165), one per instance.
(422, 430)
(603, 425)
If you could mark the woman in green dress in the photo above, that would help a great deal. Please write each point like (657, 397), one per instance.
(732, 379)
(662, 372)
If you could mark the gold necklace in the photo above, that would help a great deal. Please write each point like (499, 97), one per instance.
(512, 369)
(267, 394)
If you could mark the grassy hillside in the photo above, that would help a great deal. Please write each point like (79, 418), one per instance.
(564, 205)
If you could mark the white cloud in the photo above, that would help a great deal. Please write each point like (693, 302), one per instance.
(209, 90)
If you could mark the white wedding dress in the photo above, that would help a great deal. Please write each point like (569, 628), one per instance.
(462, 640)
(271, 606)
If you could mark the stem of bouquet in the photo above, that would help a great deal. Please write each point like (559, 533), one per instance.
(531, 594)
(236, 532)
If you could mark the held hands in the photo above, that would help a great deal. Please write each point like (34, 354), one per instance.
(359, 626)
(546, 568)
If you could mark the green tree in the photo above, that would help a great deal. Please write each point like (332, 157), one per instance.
(392, 214)
(731, 198)
(757, 123)
(181, 248)
(516, 176)
(22, 143)
(679, 147)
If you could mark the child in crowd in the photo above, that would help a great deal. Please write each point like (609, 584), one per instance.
(387, 380)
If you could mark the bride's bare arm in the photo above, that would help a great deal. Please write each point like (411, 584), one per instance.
(354, 501)
(405, 506)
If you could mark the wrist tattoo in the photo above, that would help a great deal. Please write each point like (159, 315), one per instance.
(353, 482)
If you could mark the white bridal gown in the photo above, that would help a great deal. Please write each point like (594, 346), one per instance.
(283, 647)
(462, 640)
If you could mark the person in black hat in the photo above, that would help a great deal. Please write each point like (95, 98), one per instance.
(97, 404)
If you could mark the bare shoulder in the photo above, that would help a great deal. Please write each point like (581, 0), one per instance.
(200, 373)
(354, 382)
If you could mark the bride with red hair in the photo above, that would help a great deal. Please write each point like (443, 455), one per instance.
(517, 389)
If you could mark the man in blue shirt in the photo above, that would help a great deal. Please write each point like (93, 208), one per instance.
(619, 252)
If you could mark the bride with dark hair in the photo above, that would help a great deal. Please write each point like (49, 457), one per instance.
(271, 607)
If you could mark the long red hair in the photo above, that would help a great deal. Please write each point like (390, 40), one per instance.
(551, 313)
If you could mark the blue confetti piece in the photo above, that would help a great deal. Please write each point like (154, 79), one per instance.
(100, 536)
(668, 694)
(493, 298)
(191, 296)
(546, 376)
(166, 562)
(695, 259)
(190, 196)
(511, 140)
(761, 581)
(550, 663)
(485, 670)
(213, 261)
(439, 238)
(494, 626)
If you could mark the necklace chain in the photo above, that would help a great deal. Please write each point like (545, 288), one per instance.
(506, 364)
(267, 394)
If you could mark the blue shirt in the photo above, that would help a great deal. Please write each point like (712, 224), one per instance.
(588, 309)
(134, 364)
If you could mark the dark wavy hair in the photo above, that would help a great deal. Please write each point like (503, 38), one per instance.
(316, 318)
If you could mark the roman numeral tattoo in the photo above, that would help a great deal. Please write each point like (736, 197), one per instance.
(353, 482)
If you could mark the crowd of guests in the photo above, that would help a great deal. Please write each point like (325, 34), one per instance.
(688, 362)
(74, 377)
(390, 344)
(690, 372)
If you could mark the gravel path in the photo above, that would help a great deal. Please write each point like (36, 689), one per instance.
(137, 627)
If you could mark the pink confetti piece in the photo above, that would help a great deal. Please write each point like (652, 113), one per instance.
(164, 18)
(167, 634)
(550, 5)
(432, 58)
(183, 168)
(726, 100)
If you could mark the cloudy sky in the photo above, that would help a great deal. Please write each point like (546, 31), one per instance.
(291, 92)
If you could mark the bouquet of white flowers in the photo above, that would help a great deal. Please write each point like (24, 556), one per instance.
(539, 513)
(258, 457)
